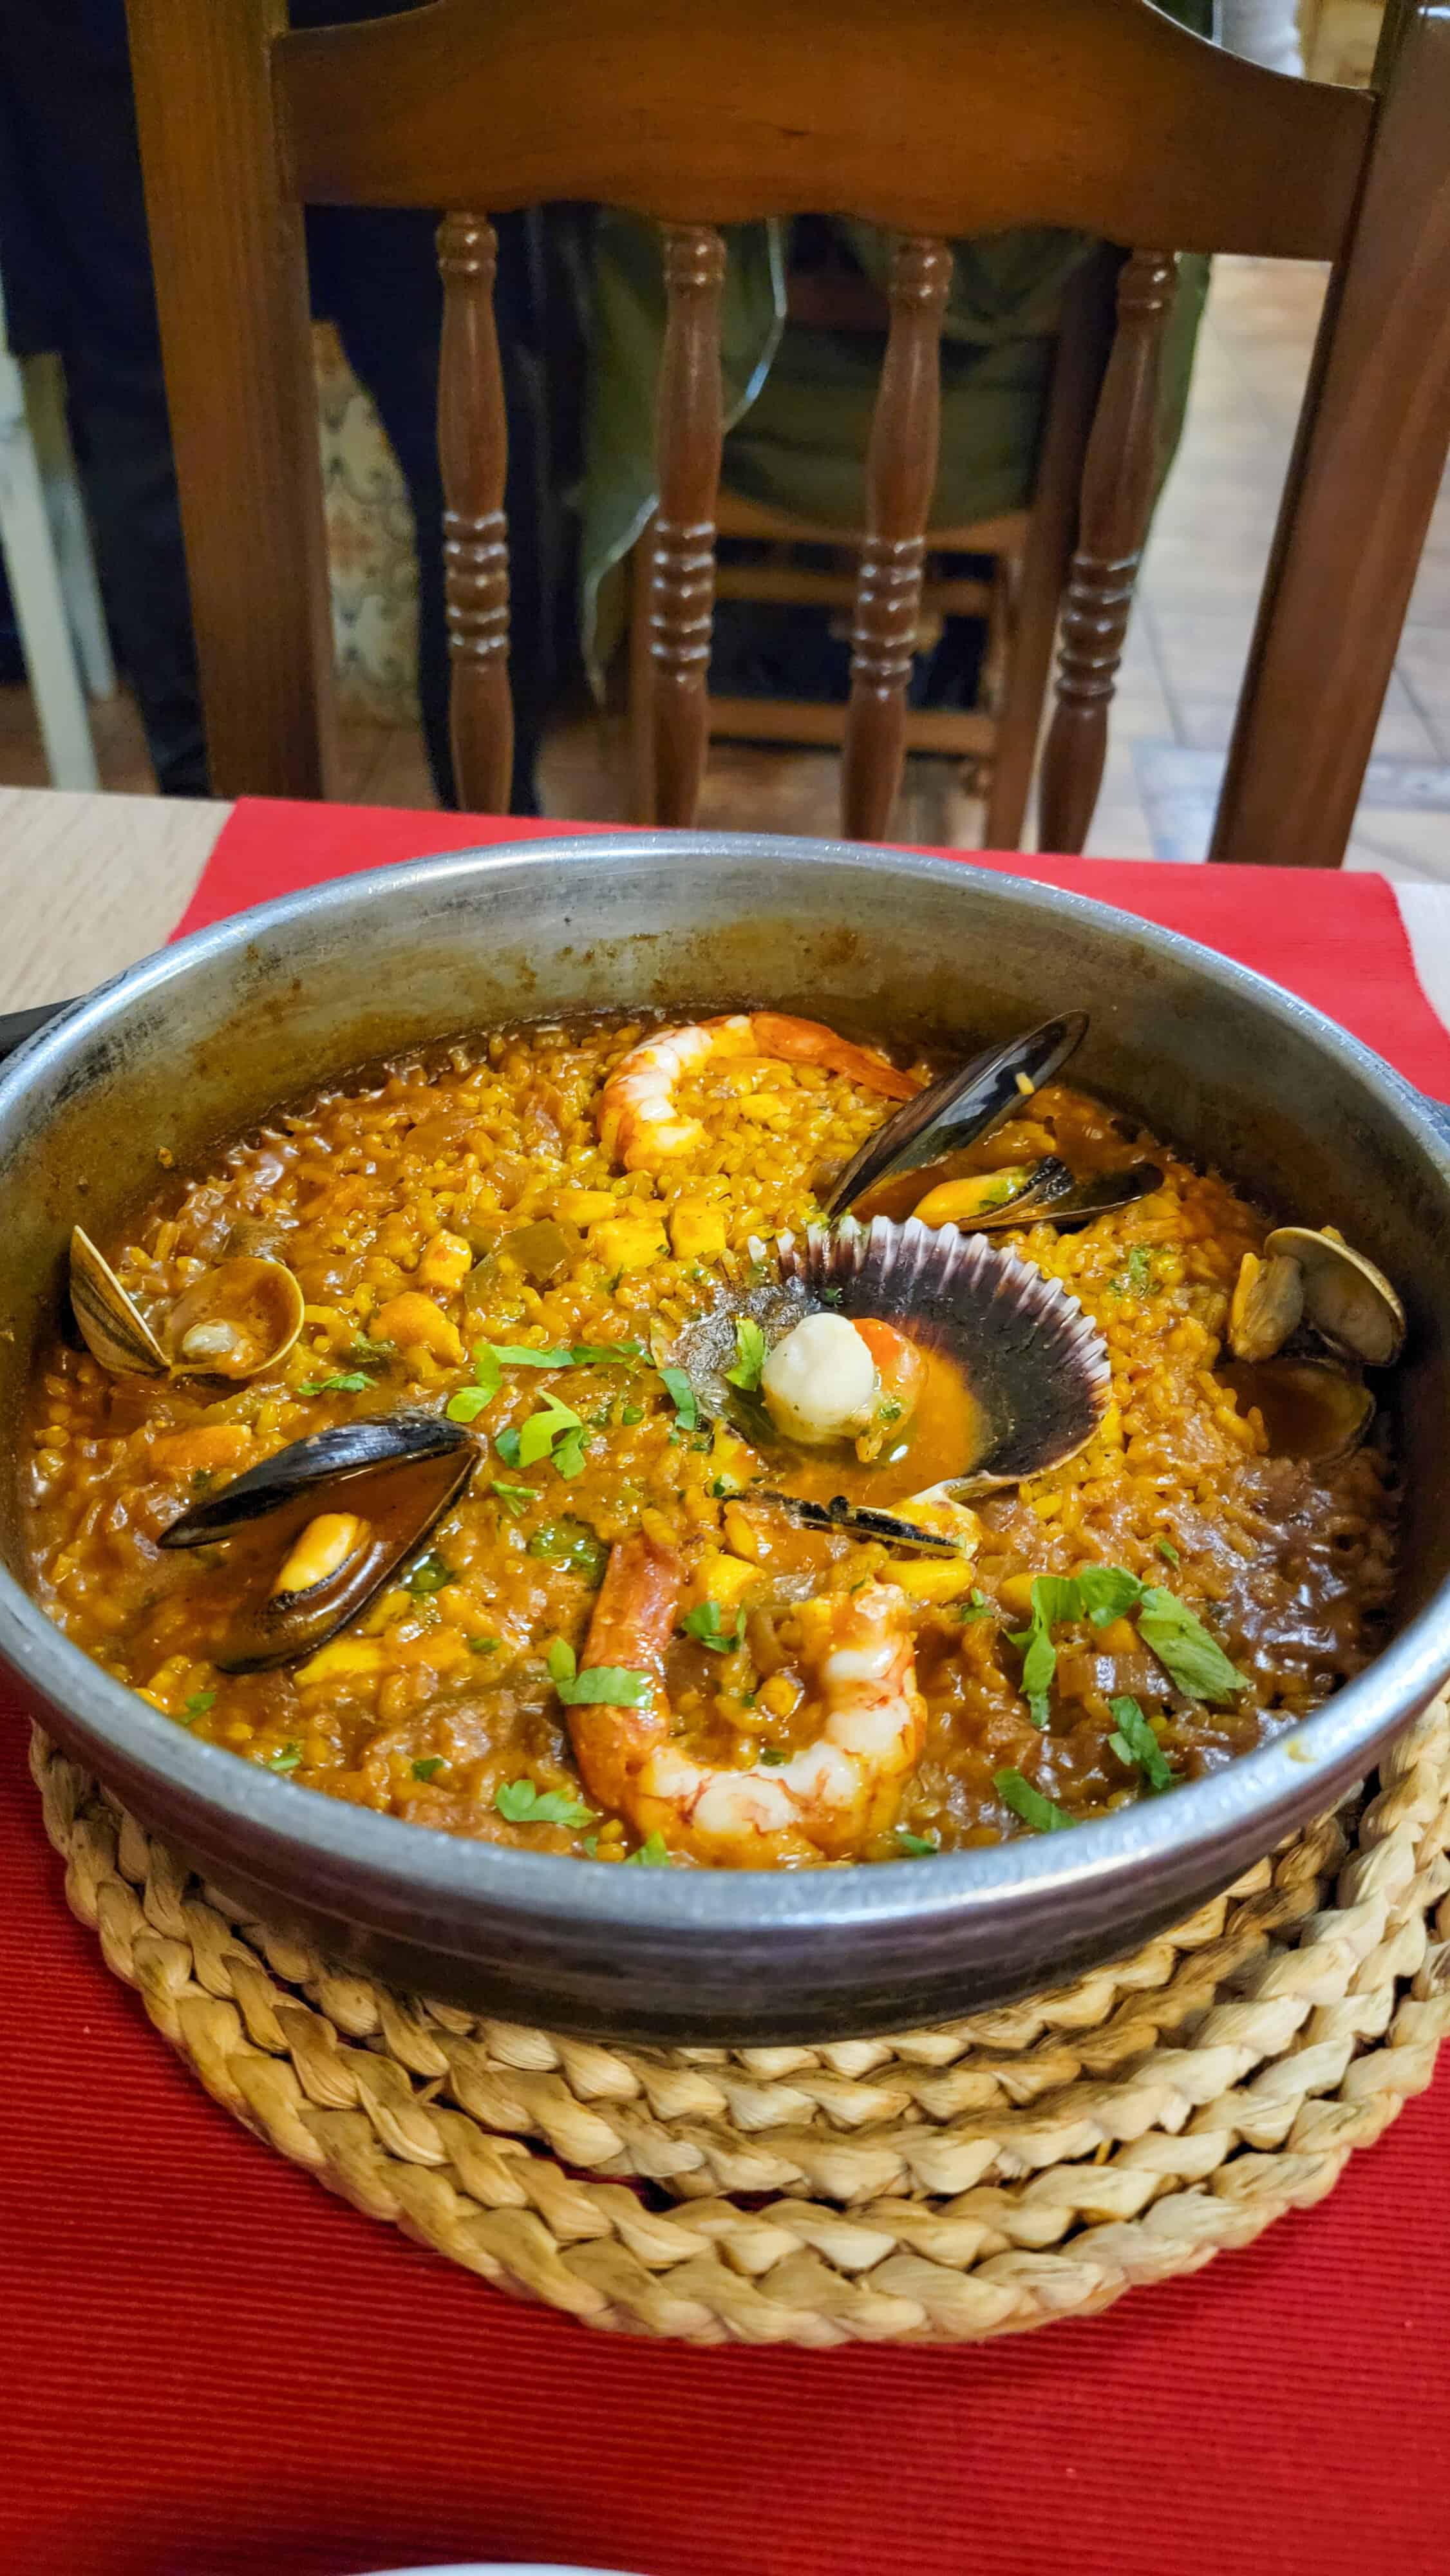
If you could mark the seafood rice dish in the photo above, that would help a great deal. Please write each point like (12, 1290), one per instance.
(724, 1444)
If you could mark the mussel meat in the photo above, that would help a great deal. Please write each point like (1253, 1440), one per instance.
(898, 1364)
(958, 1111)
(343, 1509)
(236, 1321)
(980, 1206)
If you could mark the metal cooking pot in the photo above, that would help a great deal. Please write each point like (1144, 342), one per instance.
(192, 1047)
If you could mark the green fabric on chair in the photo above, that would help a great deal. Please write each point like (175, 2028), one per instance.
(798, 400)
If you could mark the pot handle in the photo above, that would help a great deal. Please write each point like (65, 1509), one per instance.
(17, 1026)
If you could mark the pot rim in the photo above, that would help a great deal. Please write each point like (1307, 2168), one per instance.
(422, 1868)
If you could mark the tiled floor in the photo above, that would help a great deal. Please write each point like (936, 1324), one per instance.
(1181, 671)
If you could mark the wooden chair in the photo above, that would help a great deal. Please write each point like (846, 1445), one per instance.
(1030, 551)
(1097, 114)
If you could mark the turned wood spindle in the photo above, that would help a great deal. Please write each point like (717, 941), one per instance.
(473, 454)
(689, 430)
(901, 462)
(1117, 497)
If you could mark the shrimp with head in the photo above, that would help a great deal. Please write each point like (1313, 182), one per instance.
(826, 1802)
(637, 1118)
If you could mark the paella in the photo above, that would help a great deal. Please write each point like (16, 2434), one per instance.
(719, 1445)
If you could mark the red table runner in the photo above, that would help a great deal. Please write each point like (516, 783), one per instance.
(217, 2370)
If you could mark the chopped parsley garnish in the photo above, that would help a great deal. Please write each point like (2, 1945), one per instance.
(203, 1478)
(519, 1355)
(573, 1544)
(606, 1354)
(569, 1453)
(605, 1686)
(514, 1498)
(1102, 1593)
(703, 1624)
(351, 1383)
(749, 1355)
(424, 1769)
(1136, 1276)
(1136, 1744)
(591, 1846)
(631, 1413)
(1029, 1803)
(467, 1404)
(888, 1412)
(430, 1574)
(483, 1645)
(553, 1423)
(197, 1705)
(1183, 1646)
(1167, 1550)
(682, 1397)
(655, 1854)
(285, 1760)
(520, 1802)
(507, 1445)
(978, 1607)
(918, 1846)
(1108, 1592)
(772, 1755)
(561, 1659)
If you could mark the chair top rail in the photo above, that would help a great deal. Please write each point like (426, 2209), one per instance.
(951, 117)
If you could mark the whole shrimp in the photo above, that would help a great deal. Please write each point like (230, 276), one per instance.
(826, 1802)
(637, 1118)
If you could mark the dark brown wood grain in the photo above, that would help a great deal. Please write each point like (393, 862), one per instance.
(681, 591)
(901, 463)
(1117, 496)
(950, 117)
(473, 454)
(1084, 345)
(953, 117)
(1361, 486)
(231, 286)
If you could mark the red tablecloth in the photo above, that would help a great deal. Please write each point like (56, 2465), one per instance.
(215, 2370)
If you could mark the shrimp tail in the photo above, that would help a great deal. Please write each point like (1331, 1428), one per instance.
(811, 1042)
(633, 1621)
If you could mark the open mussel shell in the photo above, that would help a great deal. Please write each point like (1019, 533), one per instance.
(1046, 1189)
(1036, 1368)
(1345, 1297)
(113, 1330)
(394, 1477)
(309, 1471)
(1309, 1408)
(958, 1111)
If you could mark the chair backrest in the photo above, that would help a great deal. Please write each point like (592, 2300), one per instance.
(952, 117)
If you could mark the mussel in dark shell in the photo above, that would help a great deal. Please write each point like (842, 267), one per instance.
(346, 1508)
(958, 1111)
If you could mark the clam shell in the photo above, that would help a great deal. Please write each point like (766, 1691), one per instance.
(958, 1111)
(113, 1330)
(1035, 1364)
(1309, 1408)
(1346, 1298)
(258, 1299)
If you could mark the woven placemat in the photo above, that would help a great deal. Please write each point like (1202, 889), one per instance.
(946, 2185)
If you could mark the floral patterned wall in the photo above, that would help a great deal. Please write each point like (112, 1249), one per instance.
(372, 551)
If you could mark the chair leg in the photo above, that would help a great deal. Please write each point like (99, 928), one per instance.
(35, 589)
(641, 682)
(1077, 376)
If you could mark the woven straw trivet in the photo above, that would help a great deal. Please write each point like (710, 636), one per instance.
(945, 2185)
